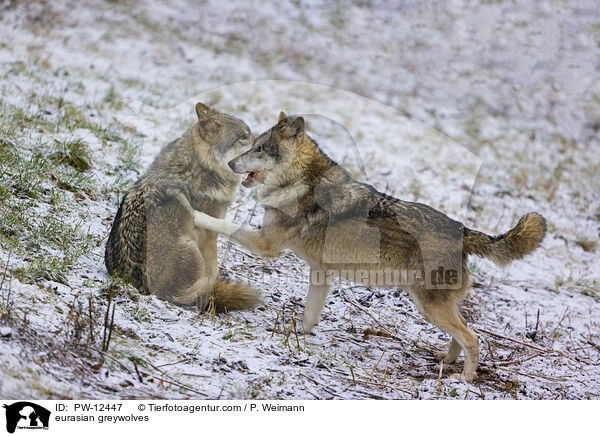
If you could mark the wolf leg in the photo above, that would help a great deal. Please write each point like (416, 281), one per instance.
(209, 254)
(449, 320)
(315, 300)
(452, 354)
(252, 240)
(174, 267)
(176, 273)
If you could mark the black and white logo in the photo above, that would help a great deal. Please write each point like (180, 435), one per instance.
(26, 415)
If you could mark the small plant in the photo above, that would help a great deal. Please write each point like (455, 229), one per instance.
(112, 98)
(74, 152)
(141, 314)
(475, 269)
(42, 268)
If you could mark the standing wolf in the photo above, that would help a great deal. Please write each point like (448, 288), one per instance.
(337, 224)
(154, 242)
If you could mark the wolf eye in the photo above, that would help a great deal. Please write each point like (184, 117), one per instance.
(244, 136)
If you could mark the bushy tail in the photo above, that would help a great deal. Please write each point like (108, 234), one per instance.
(525, 237)
(227, 296)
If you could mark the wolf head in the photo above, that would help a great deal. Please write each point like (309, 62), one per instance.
(277, 155)
(227, 135)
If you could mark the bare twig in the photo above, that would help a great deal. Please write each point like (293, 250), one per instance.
(512, 340)
(440, 376)
(175, 382)
(375, 367)
(137, 371)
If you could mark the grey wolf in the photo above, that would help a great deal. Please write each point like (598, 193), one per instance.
(335, 223)
(154, 242)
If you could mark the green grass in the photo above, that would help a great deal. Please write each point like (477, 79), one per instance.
(41, 180)
(112, 99)
(120, 288)
(591, 288)
(74, 152)
(141, 313)
(42, 268)
(475, 269)
(44, 175)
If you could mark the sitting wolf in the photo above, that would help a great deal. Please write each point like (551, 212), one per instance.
(154, 242)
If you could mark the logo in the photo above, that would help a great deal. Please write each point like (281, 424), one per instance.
(26, 415)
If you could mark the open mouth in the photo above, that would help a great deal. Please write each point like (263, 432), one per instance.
(249, 181)
(253, 178)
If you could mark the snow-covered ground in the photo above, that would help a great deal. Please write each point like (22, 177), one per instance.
(484, 111)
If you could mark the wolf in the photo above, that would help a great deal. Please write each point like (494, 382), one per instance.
(153, 241)
(335, 223)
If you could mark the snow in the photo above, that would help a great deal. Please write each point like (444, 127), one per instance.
(483, 111)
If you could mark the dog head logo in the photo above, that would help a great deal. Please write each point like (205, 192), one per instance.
(26, 415)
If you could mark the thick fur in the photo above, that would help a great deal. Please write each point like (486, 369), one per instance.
(154, 242)
(338, 224)
(515, 244)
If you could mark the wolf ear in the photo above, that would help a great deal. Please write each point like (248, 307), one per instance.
(294, 128)
(202, 111)
(298, 124)
(282, 118)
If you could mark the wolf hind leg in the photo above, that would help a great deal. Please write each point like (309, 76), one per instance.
(176, 273)
(199, 294)
(445, 315)
(451, 355)
(315, 300)
(453, 352)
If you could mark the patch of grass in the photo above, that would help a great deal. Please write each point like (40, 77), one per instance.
(70, 117)
(42, 268)
(21, 176)
(56, 243)
(36, 182)
(239, 333)
(129, 152)
(74, 152)
(120, 288)
(113, 99)
(591, 288)
(475, 269)
(141, 314)
(133, 83)
(107, 134)
(73, 181)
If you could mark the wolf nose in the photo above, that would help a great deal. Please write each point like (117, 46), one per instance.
(231, 164)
